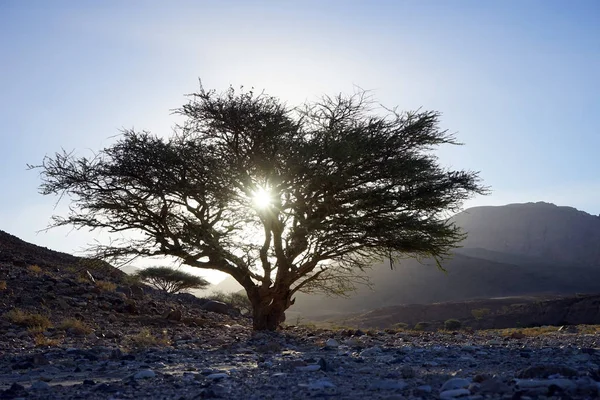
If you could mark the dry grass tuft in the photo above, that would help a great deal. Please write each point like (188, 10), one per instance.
(75, 326)
(34, 269)
(3, 285)
(36, 322)
(106, 286)
(42, 341)
(145, 338)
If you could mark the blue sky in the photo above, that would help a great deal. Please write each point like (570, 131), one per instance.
(517, 80)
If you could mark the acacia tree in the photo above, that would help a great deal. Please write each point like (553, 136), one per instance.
(282, 199)
(170, 280)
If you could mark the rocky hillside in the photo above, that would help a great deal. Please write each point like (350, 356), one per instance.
(71, 330)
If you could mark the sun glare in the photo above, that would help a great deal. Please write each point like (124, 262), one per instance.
(262, 198)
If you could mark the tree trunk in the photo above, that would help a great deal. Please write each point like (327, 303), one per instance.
(269, 312)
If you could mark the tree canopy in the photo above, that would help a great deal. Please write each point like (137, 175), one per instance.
(170, 280)
(283, 199)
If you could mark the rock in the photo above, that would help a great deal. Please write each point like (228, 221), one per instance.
(135, 292)
(563, 384)
(218, 376)
(40, 385)
(388, 384)
(216, 307)
(517, 335)
(15, 390)
(407, 372)
(320, 384)
(144, 374)
(332, 343)
(544, 371)
(172, 315)
(494, 385)
(454, 393)
(455, 383)
(425, 389)
(371, 351)
(309, 368)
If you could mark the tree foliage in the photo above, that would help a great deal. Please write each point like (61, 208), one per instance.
(350, 183)
(170, 280)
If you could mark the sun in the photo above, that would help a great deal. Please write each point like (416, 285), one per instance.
(262, 198)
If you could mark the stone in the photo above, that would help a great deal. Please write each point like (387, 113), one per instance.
(135, 292)
(455, 383)
(309, 368)
(388, 384)
(319, 384)
(454, 393)
(425, 389)
(216, 307)
(370, 352)
(217, 376)
(544, 371)
(494, 385)
(40, 385)
(332, 343)
(172, 315)
(144, 374)
(407, 372)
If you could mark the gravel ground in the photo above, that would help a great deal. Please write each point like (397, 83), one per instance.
(231, 362)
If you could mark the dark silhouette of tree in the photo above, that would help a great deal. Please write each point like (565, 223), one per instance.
(282, 199)
(170, 280)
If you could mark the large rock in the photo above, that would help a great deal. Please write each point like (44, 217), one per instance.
(216, 306)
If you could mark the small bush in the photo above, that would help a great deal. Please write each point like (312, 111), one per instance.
(106, 286)
(3, 285)
(42, 341)
(170, 280)
(452, 324)
(145, 338)
(35, 269)
(75, 326)
(480, 313)
(29, 320)
(400, 325)
(131, 280)
(421, 326)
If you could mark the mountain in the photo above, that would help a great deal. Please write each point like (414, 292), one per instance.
(527, 249)
(540, 230)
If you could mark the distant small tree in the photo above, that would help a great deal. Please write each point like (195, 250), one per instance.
(170, 280)
(452, 324)
(422, 326)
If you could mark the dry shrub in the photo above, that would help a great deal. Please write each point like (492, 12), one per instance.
(36, 322)
(75, 326)
(42, 341)
(3, 285)
(145, 338)
(35, 269)
(106, 286)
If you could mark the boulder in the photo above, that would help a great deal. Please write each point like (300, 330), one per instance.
(216, 307)
(172, 314)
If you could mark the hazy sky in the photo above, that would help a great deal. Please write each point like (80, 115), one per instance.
(519, 81)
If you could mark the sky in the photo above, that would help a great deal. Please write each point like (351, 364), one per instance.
(517, 80)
